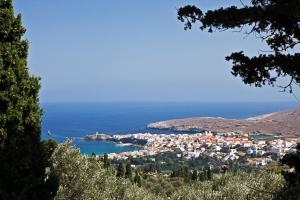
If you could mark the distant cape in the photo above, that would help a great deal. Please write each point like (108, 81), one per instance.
(285, 123)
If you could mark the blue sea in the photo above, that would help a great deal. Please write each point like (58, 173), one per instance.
(73, 120)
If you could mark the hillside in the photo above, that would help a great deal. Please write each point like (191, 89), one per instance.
(285, 123)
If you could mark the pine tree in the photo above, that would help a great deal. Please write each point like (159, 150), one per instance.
(137, 179)
(275, 22)
(292, 177)
(22, 156)
(186, 174)
(173, 174)
(195, 175)
(121, 170)
(128, 173)
(106, 161)
(202, 176)
(209, 174)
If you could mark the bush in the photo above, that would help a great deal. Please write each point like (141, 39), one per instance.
(82, 178)
(86, 178)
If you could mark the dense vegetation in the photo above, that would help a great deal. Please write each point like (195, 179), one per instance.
(169, 161)
(130, 140)
(23, 157)
(292, 177)
(86, 178)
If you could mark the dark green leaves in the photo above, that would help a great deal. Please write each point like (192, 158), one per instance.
(276, 22)
(23, 157)
(189, 15)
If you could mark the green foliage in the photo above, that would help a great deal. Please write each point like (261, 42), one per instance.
(234, 187)
(221, 186)
(128, 173)
(161, 186)
(169, 161)
(293, 161)
(195, 175)
(292, 177)
(106, 161)
(209, 174)
(275, 21)
(86, 178)
(77, 174)
(137, 179)
(82, 178)
(202, 176)
(23, 157)
(121, 170)
(186, 174)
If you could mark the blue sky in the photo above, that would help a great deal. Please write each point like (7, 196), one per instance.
(134, 50)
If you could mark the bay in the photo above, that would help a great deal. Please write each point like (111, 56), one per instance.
(75, 120)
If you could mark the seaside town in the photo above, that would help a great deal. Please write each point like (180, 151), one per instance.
(224, 146)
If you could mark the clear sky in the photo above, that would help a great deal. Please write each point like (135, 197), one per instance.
(133, 50)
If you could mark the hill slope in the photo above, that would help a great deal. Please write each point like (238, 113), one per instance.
(285, 123)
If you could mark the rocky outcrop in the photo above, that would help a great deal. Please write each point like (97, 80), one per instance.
(97, 136)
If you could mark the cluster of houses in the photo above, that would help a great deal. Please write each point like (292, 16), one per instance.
(224, 146)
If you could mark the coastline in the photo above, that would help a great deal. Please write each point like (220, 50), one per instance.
(67, 121)
(117, 139)
(284, 123)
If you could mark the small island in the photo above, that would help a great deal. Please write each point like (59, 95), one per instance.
(123, 140)
(97, 136)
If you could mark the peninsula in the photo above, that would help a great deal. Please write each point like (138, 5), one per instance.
(285, 123)
(255, 141)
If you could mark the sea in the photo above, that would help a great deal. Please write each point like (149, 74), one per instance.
(76, 120)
